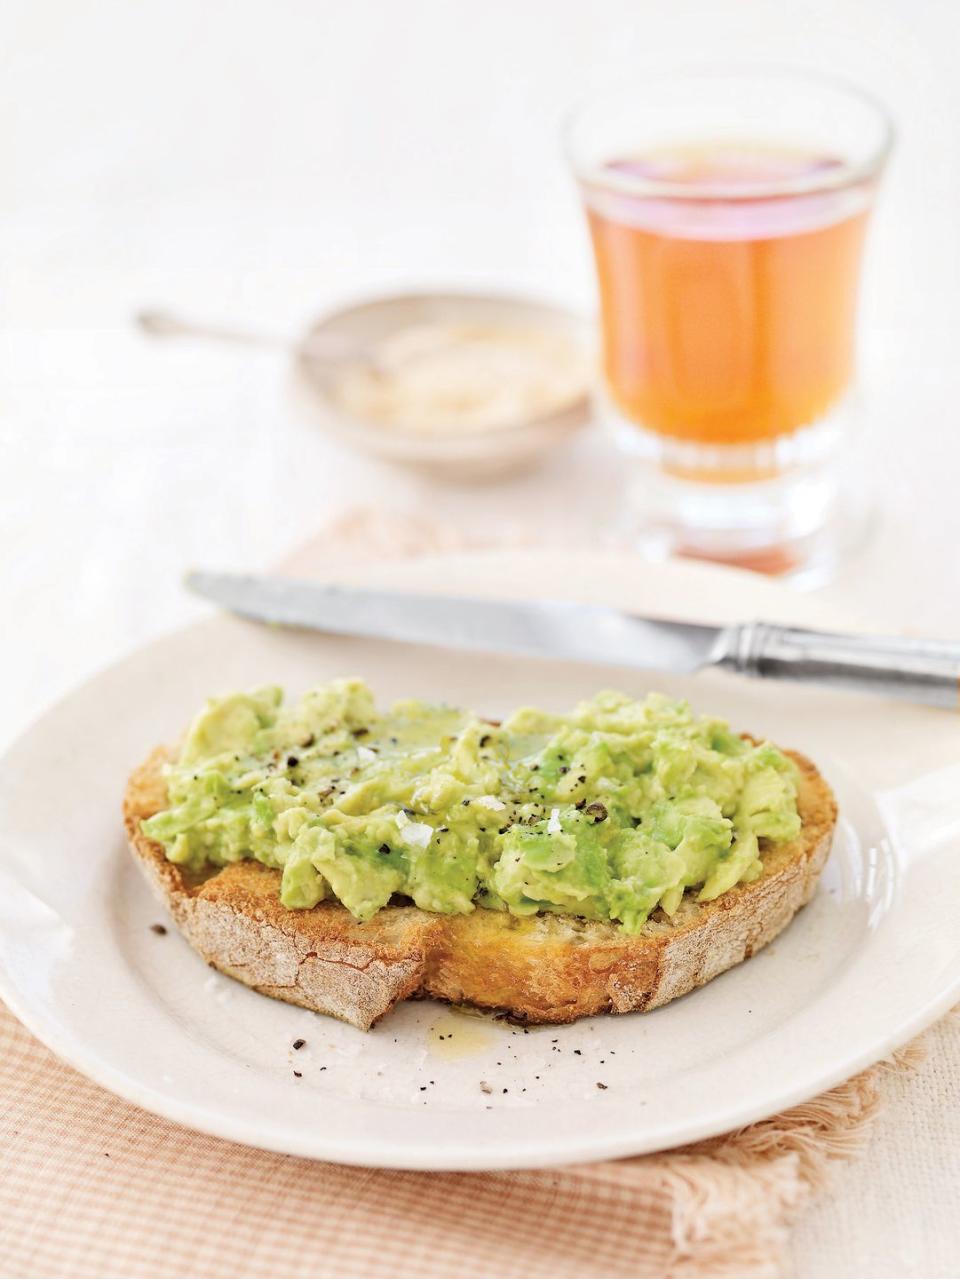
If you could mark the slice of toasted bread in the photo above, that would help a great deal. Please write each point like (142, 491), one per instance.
(545, 968)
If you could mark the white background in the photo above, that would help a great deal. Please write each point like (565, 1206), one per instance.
(262, 160)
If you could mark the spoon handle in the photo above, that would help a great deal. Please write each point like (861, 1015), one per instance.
(163, 324)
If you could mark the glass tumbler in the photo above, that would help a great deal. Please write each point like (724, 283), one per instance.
(728, 211)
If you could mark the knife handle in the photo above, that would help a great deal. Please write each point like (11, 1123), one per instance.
(926, 671)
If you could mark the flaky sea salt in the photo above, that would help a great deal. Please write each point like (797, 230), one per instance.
(419, 834)
(490, 801)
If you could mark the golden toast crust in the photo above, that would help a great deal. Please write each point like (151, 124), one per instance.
(544, 968)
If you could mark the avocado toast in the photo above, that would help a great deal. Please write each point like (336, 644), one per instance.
(553, 867)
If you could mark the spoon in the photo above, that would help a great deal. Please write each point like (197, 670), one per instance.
(325, 348)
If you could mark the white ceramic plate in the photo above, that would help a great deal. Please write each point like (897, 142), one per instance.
(874, 958)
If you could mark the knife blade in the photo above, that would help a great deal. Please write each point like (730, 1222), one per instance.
(926, 671)
(545, 628)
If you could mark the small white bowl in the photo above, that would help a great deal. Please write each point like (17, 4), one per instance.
(453, 452)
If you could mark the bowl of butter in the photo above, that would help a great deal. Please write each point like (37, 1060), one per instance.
(465, 386)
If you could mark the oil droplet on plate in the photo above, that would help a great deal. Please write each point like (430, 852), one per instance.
(455, 1035)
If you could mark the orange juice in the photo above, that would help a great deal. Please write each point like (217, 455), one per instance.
(728, 313)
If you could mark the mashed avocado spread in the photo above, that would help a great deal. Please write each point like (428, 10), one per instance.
(607, 812)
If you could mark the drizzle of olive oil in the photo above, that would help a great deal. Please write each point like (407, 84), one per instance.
(455, 1035)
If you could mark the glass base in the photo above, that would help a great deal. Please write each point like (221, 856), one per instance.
(781, 508)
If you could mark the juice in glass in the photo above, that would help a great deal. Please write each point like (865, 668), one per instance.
(727, 215)
(728, 321)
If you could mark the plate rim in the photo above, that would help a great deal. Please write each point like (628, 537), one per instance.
(427, 1158)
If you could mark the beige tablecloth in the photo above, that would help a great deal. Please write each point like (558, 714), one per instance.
(93, 1188)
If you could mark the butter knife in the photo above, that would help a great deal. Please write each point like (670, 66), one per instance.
(918, 670)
